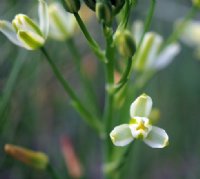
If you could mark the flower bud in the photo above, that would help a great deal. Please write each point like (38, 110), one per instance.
(34, 159)
(72, 162)
(104, 13)
(72, 6)
(125, 43)
(91, 4)
(117, 4)
(196, 3)
(28, 33)
(62, 24)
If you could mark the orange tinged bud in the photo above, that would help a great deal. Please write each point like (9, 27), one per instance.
(72, 162)
(34, 159)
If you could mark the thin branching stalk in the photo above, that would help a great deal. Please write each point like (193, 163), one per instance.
(92, 43)
(78, 105)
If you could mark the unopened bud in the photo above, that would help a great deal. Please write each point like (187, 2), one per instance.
(117, 4)
(91, 4)
(196, 3)
(126, 43)
(34, 159)
(72, 6)
(72, 162)
(104, 13)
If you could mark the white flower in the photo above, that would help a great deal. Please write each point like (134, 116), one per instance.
(149, 56)
(140, 126)
(62, 23)
(24, 32)
(191, 32)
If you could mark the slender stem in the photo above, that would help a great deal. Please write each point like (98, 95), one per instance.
(125, 76)
(9, 87)
(83, 77)
(147, 22)
(87, 116)
(52, 172)
(109, 77)
(177, 33)
(108, 108)
(74, 52)
(92, 43)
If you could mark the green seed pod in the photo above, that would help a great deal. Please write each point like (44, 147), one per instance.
(72, 6)
(104, 13)
(125, 43)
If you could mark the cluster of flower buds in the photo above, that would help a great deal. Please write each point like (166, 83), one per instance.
(105, 10)
(115, 5)
(24, 32)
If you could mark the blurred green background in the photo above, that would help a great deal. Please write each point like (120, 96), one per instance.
(38, 112)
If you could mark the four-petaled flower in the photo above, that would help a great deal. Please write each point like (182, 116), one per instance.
(140, 126)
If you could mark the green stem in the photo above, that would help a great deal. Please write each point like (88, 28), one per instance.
(52, 172)
(125, 76)
(9, 87)
(177, 33)
(92, 43)
(109, 78)
(89, 118)
(108, 108)
(147, 22)
(84, 80)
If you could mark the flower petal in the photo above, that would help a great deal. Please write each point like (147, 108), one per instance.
(44, 17)
(191, 32)
(157, 138)
(141, 107)
(148, 51)
(166, 56)
(30, 40)
(121, 135)
(137, 29)
(7, 29)
(62, 23)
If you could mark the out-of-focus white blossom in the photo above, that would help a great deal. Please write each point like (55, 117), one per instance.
(62, 23)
